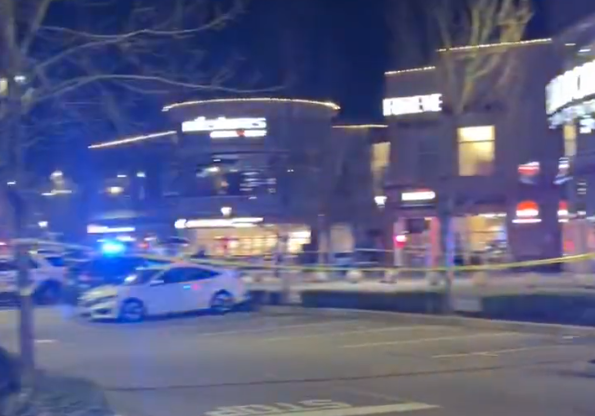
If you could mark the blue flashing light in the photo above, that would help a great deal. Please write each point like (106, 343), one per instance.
(111, 248)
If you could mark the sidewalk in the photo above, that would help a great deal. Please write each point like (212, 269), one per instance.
(477, 284)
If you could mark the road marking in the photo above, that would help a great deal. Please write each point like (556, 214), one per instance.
(360, 331)
(436, 339)
(45, 341)
(494, 353)
(275, 328)
(365, 410)
(349, 411)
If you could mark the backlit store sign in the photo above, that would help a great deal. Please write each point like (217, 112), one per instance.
(100, 229)
(241, 222)
(228, 127)
(417, 198)
(412, 105)
(571, 86)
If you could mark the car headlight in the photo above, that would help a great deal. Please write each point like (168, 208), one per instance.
(103, 299)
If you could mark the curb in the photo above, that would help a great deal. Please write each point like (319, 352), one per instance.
(475, 323)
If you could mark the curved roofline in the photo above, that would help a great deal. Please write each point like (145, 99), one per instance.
(471, 47)
(496, 45)
(328, 104)
(408, 71)
(133, 139)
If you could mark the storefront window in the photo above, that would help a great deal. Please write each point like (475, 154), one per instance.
(480, 236)
(230, 175)
(250, 241)
(476, 150)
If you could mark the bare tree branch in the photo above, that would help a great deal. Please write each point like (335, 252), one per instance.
(38, 18)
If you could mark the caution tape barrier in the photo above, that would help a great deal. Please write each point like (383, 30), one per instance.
(324, 268)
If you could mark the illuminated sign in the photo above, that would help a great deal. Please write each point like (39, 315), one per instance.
(581, 111)
(563, 175)
(222, 127)
(246, 222)
(563, 214)
(100, 229)
(529, 172)
(413, 105)
(573, 85)
(418, 196)
(527, 212)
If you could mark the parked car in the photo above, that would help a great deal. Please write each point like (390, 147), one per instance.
(47, 278)
(170, 289)
(104, 270)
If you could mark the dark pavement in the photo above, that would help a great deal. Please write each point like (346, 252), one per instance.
(314, 363)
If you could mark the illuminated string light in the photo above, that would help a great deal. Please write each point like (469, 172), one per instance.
(132, 140)
(411, 70)
(328, 104)
(496, 45)
(361, 126)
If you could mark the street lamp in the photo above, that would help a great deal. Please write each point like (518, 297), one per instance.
(141, 175)
(43, 224)
(380, 201)
(56, 175)
(226, 211)
(115, 190)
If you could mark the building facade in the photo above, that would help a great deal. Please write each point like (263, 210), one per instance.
(476, 149)
(239, 177)
(570, 107)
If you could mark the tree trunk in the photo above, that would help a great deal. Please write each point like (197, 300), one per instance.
(26, 328)
(22, 259)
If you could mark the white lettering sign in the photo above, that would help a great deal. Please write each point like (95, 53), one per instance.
(228, 127)
(225, 134)
(572, 113)
(240, 222)
(413, 105)
(100, 229)
(576, 84)
(418, 196)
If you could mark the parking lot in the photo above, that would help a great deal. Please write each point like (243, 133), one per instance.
(311, 362)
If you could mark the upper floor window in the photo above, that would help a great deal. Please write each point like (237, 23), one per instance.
(570, 134)
(380, 161)
(476, 150)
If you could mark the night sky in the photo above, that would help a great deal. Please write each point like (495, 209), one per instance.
(333, 49)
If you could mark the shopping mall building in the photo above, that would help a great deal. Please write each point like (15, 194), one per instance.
(230, 176)
(514, 165)
(570, 108)
(489, 162)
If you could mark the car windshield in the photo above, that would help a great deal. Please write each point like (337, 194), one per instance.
(7, 266)
(55, 261)
(140, 277)
(112, 267)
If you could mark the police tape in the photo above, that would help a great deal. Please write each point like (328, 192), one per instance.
(469, 268)
(330, 268)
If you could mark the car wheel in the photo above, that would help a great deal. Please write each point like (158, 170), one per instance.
(132, 311)
(222, 303)
(48, 294)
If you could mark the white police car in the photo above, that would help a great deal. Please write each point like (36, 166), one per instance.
(46, 273)
(170, 289)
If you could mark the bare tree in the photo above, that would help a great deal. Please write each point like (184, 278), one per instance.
(476, 69)
(86, 65)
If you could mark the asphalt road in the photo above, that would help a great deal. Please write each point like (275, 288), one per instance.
(313, 363)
